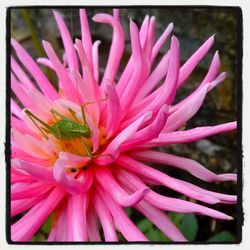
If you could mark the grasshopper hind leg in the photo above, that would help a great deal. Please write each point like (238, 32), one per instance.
(33, 118)
(86, 148)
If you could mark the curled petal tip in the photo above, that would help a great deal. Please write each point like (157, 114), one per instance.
(152, 18)
(13, 39)
(95, 18)
(136, 197)
(223, 75)
(212, 38)
(229, 217)
(228, 177)
(216, 56)
(99, 17)
(62, 155)
(77, 40)
(45, 43)
(144, 191)
(175, 40)
(131, 22)
(98, 42)
(57, 15)
(165, 108)
(149, 115)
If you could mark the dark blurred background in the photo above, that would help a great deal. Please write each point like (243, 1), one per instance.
(192, 26)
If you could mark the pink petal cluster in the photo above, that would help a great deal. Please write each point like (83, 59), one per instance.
(128, 117)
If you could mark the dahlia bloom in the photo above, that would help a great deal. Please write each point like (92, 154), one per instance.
(82, 152)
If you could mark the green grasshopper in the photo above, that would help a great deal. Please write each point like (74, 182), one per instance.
(65, 128)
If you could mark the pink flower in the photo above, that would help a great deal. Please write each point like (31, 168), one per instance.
(86, 162)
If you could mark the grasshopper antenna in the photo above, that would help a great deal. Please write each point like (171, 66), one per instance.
(89, 103)
(33, 118)
(86, 149)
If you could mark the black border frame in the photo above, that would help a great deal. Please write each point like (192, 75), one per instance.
(240, 212)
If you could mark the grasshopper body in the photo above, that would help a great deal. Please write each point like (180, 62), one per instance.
(66, 129)
(63, 129)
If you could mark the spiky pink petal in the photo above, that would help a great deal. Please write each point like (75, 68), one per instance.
(20, 74)
(72, 158)
(114, 111)
(113, 149)
(192, 62)
(166, 203)
(45, 62)
(116, 49)
(20, 127)
(156, 76)
(40, 173)
(161, 41)
(191, 135)
(21, 155)
(19, 206)
(72, 185)
(150, 38)
(96, 59)
(161, 220)
(26, 227)
(168, 89)
(149, 132)
(77, 225)
(86, 37)
(35, 71)
(184, 113)
(223, 198)
(15, 109)
(189, 165)
(126, 74)
(108, 183)
(63, 76)
(126, 121)
(144, 31)
(220, 78)
(126, 226)
(67, 41)
(182, 187)
(59, 225)
(93, 229)
(105, 219)
(19, 91)
(19, 192)
(139, 72)
(39, 149)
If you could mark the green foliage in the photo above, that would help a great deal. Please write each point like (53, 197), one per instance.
(189, 226)
(33, 32)
(43, 233)
(120, 237)
(145, 225)
(128, 211)
(47, 225)
(176, 218)
(223, 236)
(152, 233)
(38, 237)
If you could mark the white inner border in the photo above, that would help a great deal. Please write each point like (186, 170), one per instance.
(245, 6)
